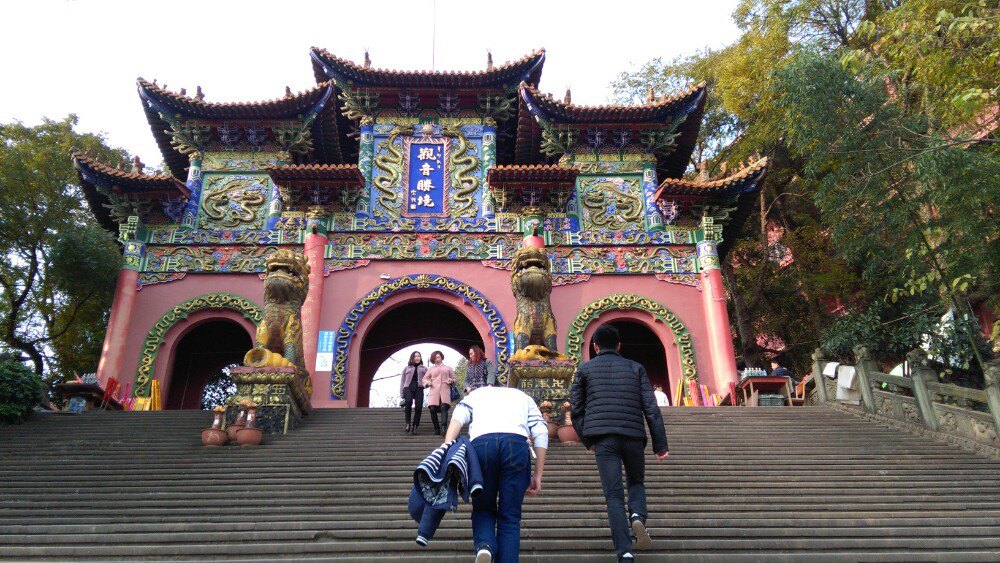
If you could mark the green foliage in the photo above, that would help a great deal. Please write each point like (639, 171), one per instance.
(461, 370)
(20, 390)
(57, 280)
(218, 389)
(881, 184)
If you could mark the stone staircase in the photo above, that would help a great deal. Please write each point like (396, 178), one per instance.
(740, 484)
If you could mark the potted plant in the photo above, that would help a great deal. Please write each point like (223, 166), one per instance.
(567, 433)
(546, 408)
(241, 420)
(215, 436)
(250, 435)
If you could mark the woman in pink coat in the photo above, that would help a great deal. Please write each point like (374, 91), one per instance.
(439, 379)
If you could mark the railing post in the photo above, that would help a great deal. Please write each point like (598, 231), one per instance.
(920, 374)
(818, 378)
(863, 367)
(992, 375)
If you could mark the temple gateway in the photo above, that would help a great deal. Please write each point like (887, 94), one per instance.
(409, 194)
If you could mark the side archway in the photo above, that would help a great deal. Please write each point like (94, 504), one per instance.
(349, 327)
(229, 304)
(625, 302)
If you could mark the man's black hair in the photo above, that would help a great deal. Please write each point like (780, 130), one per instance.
(607, 337)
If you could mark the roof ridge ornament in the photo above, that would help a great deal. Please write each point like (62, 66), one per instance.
(489, 60)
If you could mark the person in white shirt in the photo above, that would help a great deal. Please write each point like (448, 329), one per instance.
(500, 421)
(661, 398)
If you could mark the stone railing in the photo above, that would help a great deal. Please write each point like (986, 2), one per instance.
(921, 402)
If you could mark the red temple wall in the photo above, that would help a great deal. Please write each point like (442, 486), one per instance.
(344, 288)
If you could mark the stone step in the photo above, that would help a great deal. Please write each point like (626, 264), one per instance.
(740, 485)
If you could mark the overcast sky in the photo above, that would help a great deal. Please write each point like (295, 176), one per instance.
(83, 56)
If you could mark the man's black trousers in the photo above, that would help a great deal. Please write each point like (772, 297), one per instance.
(612, 452)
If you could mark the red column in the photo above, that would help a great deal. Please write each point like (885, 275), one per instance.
(314, 248)
(720, 336)
(119, 324)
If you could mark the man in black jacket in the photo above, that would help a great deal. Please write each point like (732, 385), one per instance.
(612, 401)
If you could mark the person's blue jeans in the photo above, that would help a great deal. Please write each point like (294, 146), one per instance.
(496, 514)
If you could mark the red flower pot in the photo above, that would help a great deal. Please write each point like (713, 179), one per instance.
(568, 435)
(249, 436)
(214, 437)
(232, 429)
(553, 430)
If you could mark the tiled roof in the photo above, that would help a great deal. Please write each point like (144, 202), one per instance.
(94, 174)
(292, 106)
(526, 69)
(536, 173)
(743, 181)
(333, 173)
(688, 104)
(126, 180)
(156, 100)
(656, 112)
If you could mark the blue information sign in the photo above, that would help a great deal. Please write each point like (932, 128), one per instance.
(426, 191)
(326, 338)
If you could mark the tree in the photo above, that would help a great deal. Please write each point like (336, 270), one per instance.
(57, 281)
(20, 390)
(919, 96)
(218, 389)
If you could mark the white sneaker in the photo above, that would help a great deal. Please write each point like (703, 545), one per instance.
(484, 555)
(642, 539)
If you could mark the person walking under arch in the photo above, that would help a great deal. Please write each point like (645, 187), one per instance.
(439, 379)
(412, 391)
(479, 372)
(612, 402)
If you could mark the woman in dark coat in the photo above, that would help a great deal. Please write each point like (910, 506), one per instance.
(412, 391)
(479, 371)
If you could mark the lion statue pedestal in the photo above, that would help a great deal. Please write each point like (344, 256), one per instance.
(543, 379)
(274, 375)
(278, 392)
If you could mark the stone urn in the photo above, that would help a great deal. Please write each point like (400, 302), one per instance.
(546, 409)
(241, 422)
(250, 435)
(566, 431)
(215, 436)
(567, 434)
(553, 430)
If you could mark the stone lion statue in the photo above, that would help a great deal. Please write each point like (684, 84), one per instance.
(534, 325)
(279, 334)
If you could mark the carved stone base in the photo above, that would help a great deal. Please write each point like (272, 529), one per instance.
(280, 396)
(543, 380)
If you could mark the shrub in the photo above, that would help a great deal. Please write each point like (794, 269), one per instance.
(20, 390)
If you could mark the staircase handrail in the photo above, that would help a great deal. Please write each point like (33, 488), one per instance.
(925, 408)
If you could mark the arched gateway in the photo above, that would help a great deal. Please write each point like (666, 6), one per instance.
(408, 291)
(398, 184)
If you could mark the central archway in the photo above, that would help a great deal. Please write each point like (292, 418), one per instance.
(411, 323)
(640, 343)
(346, 376)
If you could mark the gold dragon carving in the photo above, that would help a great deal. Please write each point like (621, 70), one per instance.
(224, 191)
(611, 207)
(463, 180)
(387, 182)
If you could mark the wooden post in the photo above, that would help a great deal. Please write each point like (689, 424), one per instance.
(992, 376)
(920, 374)
(818, 377)
(863, 367)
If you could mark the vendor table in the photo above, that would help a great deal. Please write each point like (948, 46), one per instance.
(768, 384)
